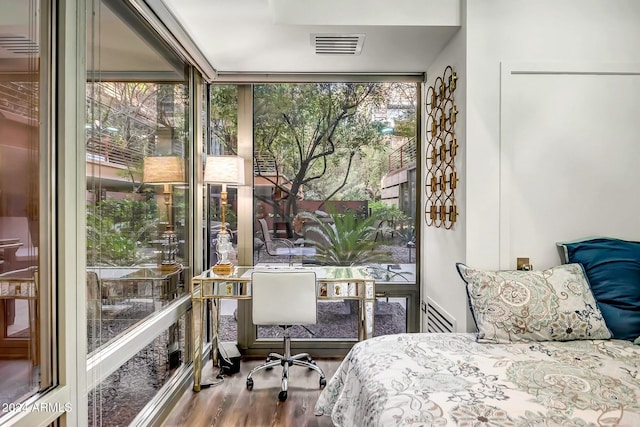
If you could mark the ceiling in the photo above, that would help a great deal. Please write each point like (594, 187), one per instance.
(256, 36)
(275, 36)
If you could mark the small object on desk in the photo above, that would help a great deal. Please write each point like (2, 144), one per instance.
(224, 266)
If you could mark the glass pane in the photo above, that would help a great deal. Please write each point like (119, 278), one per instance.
(137, 151)
(223, 140)
(126, 296)
(223, 125)
(390, 316)
(335, 182)
(338, 319)
(121, 396)
(21, 124)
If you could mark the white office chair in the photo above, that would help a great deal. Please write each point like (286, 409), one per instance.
(285, 298)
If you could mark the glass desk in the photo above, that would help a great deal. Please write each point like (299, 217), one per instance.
(334, 283)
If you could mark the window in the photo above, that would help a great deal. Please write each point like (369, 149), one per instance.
(329, 155)
(25, 298)
(333, 169)
(138, 152)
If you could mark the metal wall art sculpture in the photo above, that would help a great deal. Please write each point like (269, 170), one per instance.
(442, 147)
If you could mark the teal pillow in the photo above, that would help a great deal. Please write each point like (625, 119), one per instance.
(612, 267)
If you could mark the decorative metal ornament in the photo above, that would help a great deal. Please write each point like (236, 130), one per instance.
(442, 148)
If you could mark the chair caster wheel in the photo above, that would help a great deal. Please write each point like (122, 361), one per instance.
(250, 384)
(313, 362)
(282, 396)
(323, 382)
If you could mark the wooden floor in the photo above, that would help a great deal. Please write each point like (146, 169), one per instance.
(230, 404)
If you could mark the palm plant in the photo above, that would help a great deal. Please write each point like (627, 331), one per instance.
(348, 241)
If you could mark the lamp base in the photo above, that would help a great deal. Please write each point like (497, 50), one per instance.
(223, 269)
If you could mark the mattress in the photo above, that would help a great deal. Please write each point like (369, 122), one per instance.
(427, 379)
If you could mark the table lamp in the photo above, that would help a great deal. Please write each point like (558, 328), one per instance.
(166, 171)
(225, 170)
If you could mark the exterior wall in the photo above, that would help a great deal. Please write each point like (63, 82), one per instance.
(551, 135)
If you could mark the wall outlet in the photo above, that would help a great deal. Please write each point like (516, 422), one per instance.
(523, 264)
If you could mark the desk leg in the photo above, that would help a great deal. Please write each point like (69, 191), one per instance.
(215, 328)
(196, 339)
(362, 326)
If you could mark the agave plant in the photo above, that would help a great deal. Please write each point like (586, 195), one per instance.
(348, 241)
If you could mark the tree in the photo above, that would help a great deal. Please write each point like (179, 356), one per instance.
(224, 117)
(312, 131)
(125, 119)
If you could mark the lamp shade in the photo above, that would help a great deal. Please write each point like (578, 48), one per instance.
(164, 170)
(224, 170)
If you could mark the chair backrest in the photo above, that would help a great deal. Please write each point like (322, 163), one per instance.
(284, 297)
(266, 236)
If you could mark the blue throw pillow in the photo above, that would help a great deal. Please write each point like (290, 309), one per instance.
(612, 267)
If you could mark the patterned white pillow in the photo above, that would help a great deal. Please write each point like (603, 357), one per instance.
(550, 305)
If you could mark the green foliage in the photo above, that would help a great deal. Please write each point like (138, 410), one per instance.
(406, 128)
(349, 241)
(224, 116)
(115, 228)
(386, 212)
(315, 133)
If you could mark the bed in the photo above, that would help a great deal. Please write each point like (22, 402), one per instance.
(450, 379)
(545, 354)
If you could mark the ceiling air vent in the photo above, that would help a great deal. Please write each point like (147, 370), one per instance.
(18, 45)
(337, 44)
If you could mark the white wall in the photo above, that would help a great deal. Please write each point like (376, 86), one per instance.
(570, 117)
(442, 248)
(569, 153)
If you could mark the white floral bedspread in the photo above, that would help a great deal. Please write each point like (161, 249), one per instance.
(450, 379)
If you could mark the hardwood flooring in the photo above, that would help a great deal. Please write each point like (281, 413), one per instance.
(230, 404)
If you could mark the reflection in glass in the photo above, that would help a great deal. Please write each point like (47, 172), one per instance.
(118, 399)
(137, 111)
(21, 123)
(121, 297)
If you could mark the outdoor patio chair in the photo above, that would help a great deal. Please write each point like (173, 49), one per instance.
(272, 244)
